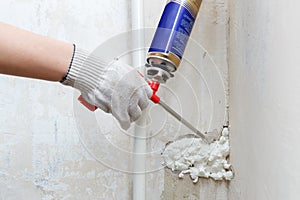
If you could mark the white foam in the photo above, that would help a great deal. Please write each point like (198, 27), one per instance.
(199, 159)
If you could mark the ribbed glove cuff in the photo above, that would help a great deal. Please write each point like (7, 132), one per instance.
(85, 71)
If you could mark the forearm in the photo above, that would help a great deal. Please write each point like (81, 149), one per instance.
(26, 54)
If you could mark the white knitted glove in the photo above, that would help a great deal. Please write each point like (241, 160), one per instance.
(115, 88)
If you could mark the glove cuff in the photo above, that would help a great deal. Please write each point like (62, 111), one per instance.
(85, 70)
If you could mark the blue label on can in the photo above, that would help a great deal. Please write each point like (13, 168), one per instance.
(173, 30)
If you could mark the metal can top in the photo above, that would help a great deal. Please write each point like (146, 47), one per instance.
(192, 6)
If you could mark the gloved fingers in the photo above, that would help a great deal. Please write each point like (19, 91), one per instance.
(94, 99)
(143, 84)
(143, 102)
(134, 112)
(125, 125)
(148, 90)
(124, 121)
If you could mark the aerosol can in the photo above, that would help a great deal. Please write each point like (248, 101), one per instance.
(170, 39)
(167, 48)
(166, 52)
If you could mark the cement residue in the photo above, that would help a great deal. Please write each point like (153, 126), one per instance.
(199, 159)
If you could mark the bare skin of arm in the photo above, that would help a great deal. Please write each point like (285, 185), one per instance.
(26, 54)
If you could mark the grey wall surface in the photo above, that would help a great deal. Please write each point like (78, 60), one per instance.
(45, 154)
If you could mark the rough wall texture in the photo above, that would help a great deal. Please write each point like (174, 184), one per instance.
(185, 189)
(41, 150)
(41, 156)
(211, 32)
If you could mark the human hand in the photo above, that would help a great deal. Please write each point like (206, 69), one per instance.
(115, 87)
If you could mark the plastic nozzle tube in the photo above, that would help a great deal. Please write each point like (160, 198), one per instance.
(154, 86)
(155, 99)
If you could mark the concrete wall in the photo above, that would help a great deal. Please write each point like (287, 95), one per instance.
(50, 147)
(265, 99)
(211, 32)
(41, 156)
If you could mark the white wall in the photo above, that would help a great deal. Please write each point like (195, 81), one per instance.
(41, 150)
(41, 156)
(265, 99)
